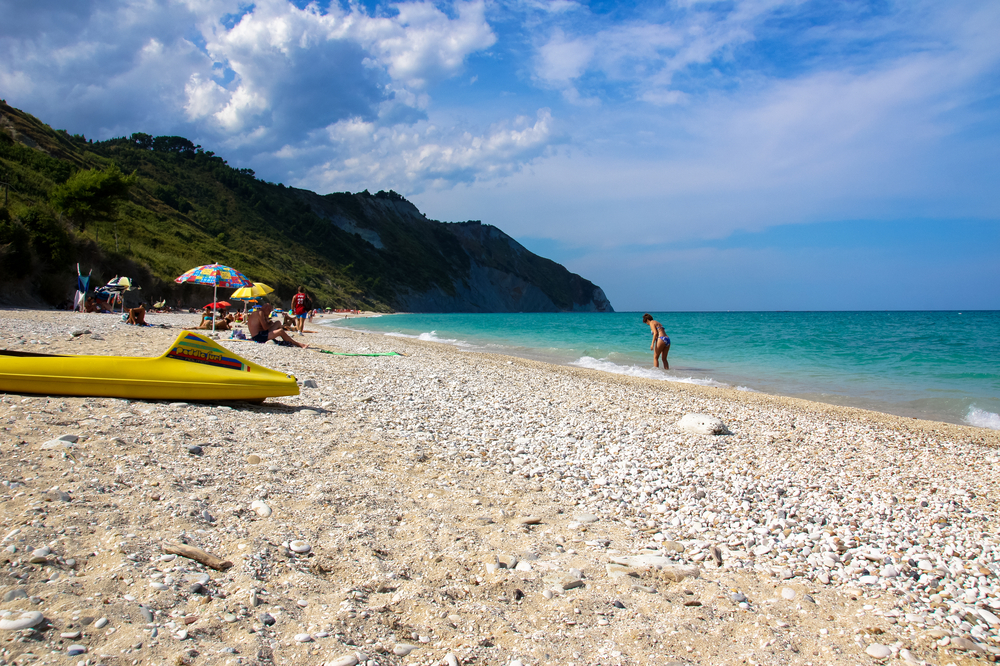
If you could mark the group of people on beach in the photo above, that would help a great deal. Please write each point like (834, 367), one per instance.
(261, 327)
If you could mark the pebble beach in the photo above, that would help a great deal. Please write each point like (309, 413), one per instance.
(444, 507)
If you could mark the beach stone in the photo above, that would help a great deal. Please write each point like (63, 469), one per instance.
(702, 424)
(663, 565)
(961, 643)
(672, 547)
(74, 650)
(101, 623)
(303, 638)
(195, 450)
(266, 619)
(450, 659)
(619, 570)
(738, 597)
(147, 615)
(403, 649)
(70, 635)
(40, 555)
(310, 383)
(56, 495)
(300, 547)
(77, 332)
(564, 581)
(26, 621)
(346, 660)
(260, 508)
(787, 593)
(253, 459)
(878, 651)
(529, 520)
(586, 518)
(16, 593)
(990, 618)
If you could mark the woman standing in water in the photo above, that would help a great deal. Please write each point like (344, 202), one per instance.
(661, 341)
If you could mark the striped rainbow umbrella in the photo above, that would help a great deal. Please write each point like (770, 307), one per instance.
(216, 275)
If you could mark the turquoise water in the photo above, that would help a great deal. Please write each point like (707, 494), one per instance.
(942, 366)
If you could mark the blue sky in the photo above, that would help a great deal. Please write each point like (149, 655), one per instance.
(751, 154)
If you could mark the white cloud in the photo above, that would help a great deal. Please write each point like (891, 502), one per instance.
(422, 43)
(646, 54)
(410, 158)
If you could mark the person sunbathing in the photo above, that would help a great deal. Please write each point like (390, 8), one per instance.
(206, 323)
(94, 305)
(262, 329)
(137, 316)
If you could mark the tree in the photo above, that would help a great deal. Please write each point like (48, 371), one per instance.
(93, 194)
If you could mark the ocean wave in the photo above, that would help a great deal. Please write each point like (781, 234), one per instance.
(747, 389)
(982, 419)
(427, 337)
(605, 365)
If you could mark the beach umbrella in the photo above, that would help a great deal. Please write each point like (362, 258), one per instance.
(218, 304)
(253, 291)
(216, 275)
(120, 284)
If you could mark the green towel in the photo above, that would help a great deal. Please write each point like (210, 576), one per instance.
(345, 354)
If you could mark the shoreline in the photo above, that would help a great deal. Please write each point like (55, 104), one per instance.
(484, 503)
(690, 381)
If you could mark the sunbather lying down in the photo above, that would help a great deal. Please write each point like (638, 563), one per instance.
(263, 329)
(221, 324)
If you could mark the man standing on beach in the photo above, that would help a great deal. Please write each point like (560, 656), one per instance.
(301, 304)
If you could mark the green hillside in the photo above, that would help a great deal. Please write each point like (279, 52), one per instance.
(153, 207)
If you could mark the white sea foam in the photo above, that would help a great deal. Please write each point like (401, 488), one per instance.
(747, 389)
(428, 337)
(982, 419)
(605, 365)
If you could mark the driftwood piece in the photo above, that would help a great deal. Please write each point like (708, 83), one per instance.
(198, 555)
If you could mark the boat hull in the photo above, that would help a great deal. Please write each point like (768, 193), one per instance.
(194, 368)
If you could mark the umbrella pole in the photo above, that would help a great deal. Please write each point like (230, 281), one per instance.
(215, 300)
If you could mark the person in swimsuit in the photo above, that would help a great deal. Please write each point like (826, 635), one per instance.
(262, 329)
(137, 316)
(661, 341)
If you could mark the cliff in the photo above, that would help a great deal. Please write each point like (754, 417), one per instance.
(173, 205)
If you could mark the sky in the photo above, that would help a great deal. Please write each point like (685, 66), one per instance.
(682, 155)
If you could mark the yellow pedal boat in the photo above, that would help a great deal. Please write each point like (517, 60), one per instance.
(194, 368)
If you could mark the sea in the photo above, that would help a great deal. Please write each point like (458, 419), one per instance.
(940, 366)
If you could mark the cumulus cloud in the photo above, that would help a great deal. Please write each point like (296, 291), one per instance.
(411, 158)
(251, 80)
